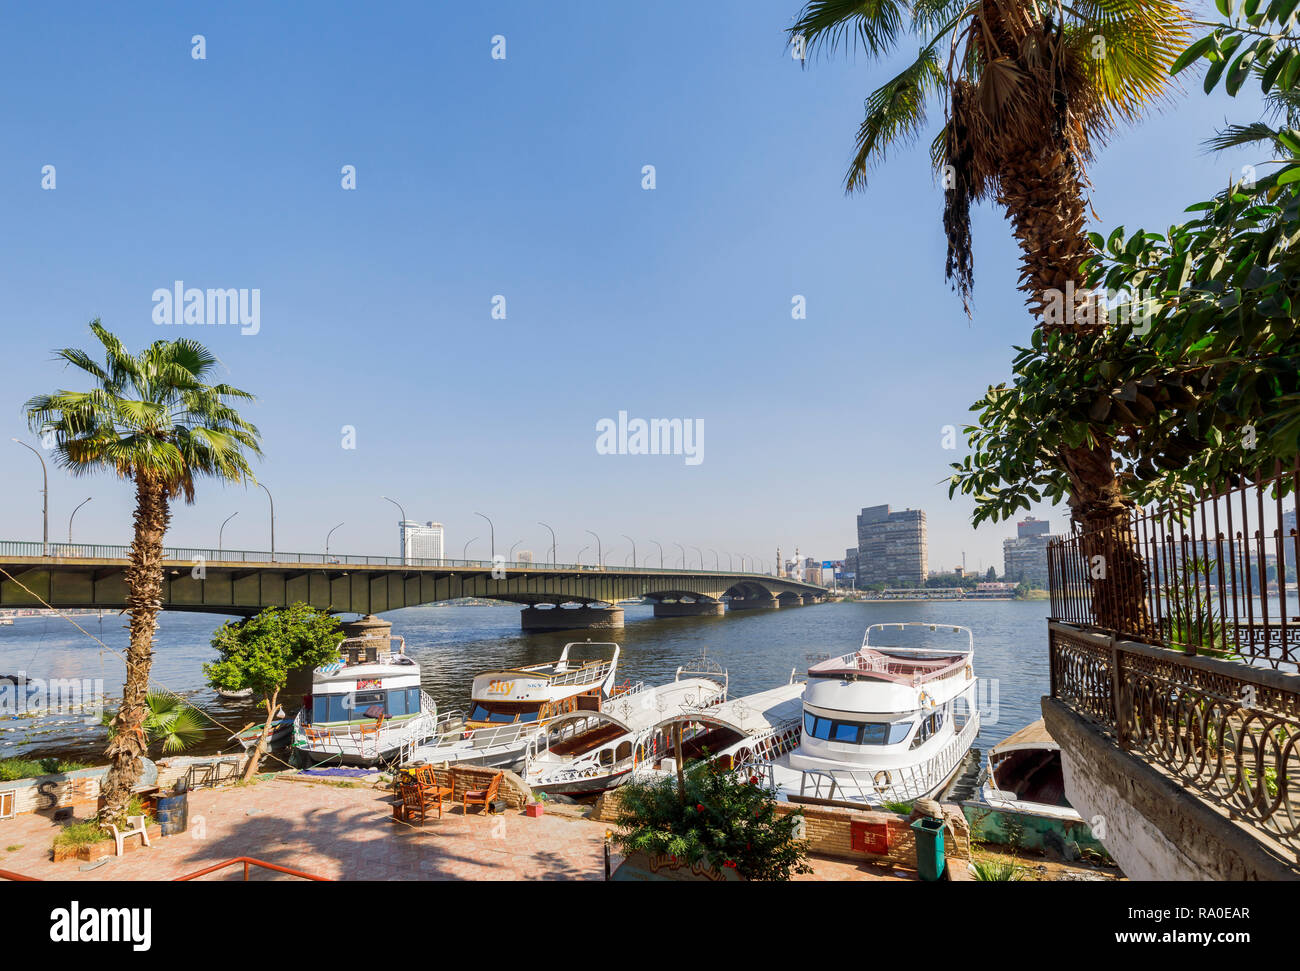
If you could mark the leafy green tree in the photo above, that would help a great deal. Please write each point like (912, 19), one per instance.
(155, 420)
(259, 653)
(1030, 90)
(717, 818)
(1193, 381)
(171, 721)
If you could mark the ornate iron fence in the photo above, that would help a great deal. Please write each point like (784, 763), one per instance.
(1212, 575)
(1226, 730)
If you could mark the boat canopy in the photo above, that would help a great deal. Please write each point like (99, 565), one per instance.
(748, 715)
(635, 711)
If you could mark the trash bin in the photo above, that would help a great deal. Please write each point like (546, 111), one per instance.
(174, 812)
(929, 847)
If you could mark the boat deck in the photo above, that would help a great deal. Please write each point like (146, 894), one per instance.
(896, 666)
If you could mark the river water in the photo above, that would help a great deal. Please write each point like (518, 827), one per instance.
(453, 643)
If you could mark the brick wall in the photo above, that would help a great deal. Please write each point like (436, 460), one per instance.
(829, 830)
(462, 778)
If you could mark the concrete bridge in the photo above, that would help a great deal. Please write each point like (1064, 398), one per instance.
(242, 583)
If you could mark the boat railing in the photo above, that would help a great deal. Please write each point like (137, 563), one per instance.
(900, 784)
(591, 673)
(357, 739)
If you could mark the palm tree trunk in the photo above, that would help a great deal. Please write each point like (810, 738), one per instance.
(1116, 571)
(144, 579)
(255, 759)
(1042, 190)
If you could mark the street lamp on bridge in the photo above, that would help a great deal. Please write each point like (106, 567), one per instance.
(701, 552)
(327, 541)
(492, 533)
(45, 493)
(683, 549)
(222, 530)
(401, 527)
(464, 553)
(272, 502)
(600, 556)
(716, 567)
(552, 542)
(633, 542)
(74, 514)
(661, 552)
(581, 551)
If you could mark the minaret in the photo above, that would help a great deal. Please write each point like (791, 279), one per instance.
(798, 565)
(780, 568)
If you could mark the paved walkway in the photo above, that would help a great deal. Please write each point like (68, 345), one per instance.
(346, 833)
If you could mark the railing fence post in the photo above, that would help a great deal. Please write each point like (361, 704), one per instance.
(1118, 696)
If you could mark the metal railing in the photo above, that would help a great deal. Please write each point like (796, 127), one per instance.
(248, 861)
(1211, 574)
(1227, 730)
(192, 555)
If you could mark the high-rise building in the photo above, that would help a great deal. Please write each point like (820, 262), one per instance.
(812, 571)
(1024, 556)
(1033, 527)
(849, 572)
(422, 541)
(892, 546)
(524, 556)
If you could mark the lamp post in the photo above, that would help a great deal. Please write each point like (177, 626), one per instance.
(492, 532)
(661, 552)
(701, 552)
(511, 557)
(581, 551)
(73, 516)
(540, 523)
(45, 493)
(464, 553)
(223, 529)
(731, 565)
(327, 541)
(272, 502)
(716, 562)
(600, 555)
(633, 542)
(683, 549)
(401, 528)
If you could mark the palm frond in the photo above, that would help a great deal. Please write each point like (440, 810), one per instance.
(875, 26)
(895, 114)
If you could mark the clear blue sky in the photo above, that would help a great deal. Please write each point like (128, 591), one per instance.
(520, 177)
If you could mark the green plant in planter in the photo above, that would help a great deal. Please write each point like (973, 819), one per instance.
(713, 817)
(13, 769)
(81, 834)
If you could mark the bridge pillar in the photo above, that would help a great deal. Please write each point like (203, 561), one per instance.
(810, 598)
(755, 603)
(534, 620)
(700, 608)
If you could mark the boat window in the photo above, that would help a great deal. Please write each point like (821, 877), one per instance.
(874, 733)
(397, 702)
(846, 732)
(528, 716)
(898, 732)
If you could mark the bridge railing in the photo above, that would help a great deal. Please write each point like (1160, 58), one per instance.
(194, 555)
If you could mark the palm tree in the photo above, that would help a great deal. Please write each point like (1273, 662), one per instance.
(153, 419)
(1029, 91)
(170, 720)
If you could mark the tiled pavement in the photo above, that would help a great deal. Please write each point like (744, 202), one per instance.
(347, 834)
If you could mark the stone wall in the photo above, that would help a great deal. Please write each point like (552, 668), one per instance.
(1152, 827)
(462, 778)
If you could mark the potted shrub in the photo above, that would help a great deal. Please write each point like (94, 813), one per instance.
(712, 821)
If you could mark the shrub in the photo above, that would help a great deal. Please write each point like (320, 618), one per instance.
(81, 834)
(12, 769)
(722, 820)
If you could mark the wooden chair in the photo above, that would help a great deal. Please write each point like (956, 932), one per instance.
(483, 797)
(416, 800)
(137, 825)
(427, 781)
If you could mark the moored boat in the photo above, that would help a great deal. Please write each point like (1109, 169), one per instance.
(887, 723)
(589, 752)
(365, 707)
(509, 707)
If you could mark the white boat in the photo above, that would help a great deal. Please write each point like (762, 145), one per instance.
(885, 724)
(509, 707)
(589, 752)
(366, 707)
(737, 732)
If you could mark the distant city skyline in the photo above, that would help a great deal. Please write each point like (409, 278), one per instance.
(449, 328)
